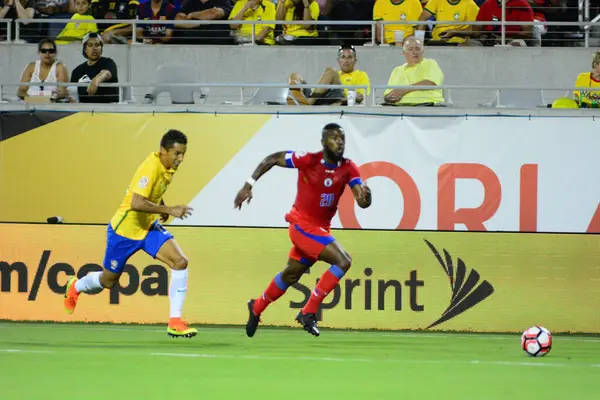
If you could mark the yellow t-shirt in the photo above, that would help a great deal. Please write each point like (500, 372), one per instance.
(443, 10)
(356, 77)
(150, 181)
(75, 31)
(587, 98)
(427, 69)
(264, 12)
(407, 10)
(300, 30)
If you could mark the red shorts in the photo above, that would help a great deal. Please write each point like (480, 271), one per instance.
(308, 242)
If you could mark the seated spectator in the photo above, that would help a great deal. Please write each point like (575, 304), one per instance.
(489, 35)
(202, 10)
(96, 70)
(417, 71)
(298, 10)
(45, 9)
(75, 31)
(349, 10)
(156, 10)
(15, 9)
(449, 10)
(115, 9)
(396, 10)
(253, 10)
(347, 75)
(47, 71)
(586, 98)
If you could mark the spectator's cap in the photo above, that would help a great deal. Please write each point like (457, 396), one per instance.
(346, 47)
(91, 35)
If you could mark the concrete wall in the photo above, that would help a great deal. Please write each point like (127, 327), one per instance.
(547, 67)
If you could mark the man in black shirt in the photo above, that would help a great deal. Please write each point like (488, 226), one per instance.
(96, 70)
(199, 33)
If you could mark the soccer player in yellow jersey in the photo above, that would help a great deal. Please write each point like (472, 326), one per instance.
(449, 10)
(135, 226)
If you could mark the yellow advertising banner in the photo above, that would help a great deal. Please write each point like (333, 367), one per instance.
(454, 281)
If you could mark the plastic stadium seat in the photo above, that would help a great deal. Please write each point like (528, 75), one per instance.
(178, 73)
(269, 96)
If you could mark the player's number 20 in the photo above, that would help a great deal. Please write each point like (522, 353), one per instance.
(327, 199)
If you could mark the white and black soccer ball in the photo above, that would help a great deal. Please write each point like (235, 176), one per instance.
(536, 341)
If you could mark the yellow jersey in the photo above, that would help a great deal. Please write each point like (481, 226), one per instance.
(356, 77)
(300, 30)
(444, 10)
(587, 98)
(264, 12)
(427, 69)
(405, 10)
(150, 181)
(75, 31)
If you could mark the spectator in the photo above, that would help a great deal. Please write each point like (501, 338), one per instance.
(347, 75)
(489, 35)
(396, 10)
(298, 10)
(202, 10)
(15, 9)
(75, 31)
(253, 10)
(115, 9)
(96, 70)
(349, 10)
(586, 98)
(47, 71)
(45, 9)
(156, 10)
(449, 10)
(417, 71)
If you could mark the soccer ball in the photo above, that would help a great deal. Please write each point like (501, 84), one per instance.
(536, 341)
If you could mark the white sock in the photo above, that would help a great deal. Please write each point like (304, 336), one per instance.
(177, 291)
(89, 283)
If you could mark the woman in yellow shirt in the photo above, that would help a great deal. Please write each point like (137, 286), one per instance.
(298, 10)
(589, 98)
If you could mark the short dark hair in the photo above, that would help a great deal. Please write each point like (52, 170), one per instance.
(332, 127)
(46, 41)
(346, 47)
(171, 137)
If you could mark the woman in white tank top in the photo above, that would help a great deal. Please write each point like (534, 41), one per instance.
(47, 71)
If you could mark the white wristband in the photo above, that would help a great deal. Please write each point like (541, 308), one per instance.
(251, 181)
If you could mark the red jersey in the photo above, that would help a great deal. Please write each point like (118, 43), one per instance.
(516, 11)
(320, 186)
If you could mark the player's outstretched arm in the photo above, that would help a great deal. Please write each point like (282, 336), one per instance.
(362, 194)
(245, 193)
(142, 204)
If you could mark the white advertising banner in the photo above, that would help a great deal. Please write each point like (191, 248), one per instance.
(428, 173)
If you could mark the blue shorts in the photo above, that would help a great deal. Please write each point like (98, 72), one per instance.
(119, 248)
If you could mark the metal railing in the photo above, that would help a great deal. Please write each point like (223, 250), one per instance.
(585, 25)
(447, 89)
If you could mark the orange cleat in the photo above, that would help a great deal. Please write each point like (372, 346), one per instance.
(179, 328)
(71, 296)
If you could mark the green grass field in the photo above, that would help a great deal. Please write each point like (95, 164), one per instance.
(64, 361)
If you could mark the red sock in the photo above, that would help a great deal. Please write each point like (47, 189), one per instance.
(275, 290)
(326, 284)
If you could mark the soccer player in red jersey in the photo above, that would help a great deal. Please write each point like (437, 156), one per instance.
(322, 178)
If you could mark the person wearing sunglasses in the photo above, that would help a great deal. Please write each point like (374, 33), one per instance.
(47, 71)
(347, 75)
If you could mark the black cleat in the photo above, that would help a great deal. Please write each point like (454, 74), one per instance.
(253, 320)
(309, 323)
